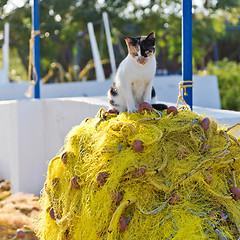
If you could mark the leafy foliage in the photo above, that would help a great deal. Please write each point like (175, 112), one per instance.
(228, 74)
(62, 21)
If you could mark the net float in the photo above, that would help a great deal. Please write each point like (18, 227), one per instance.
(101, 178)
(64, 157)
(138, 145)
(205, 123)
(123, 223)
(116, 196)
(174, 199)
(52, 214)
(144, 106)
(20, 233)
(236, 192)
(173, 110)
(74, 182)
(140, 171)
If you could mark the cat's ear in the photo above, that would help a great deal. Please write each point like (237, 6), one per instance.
(131, 41)
(151, 36)
(128, 40)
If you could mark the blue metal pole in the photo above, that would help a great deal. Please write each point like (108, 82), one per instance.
(215, 52)
(187, 48)
(36, 52)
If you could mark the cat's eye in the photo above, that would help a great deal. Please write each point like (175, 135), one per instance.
(149, 51)
(135, 54)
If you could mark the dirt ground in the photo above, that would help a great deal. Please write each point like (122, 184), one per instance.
(18, 213)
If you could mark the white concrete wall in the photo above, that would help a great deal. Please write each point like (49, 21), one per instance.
(33, 131)
(55, 90)
(8, 136)
(31, 134)
(205, 91)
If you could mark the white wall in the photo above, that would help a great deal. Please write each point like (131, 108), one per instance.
(33, 131)
(205, 91)
(8, 136)
(55, 90)
(31, 134)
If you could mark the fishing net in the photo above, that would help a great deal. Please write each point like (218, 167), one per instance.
(144, 176)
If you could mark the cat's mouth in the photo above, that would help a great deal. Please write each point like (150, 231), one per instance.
(142, 60)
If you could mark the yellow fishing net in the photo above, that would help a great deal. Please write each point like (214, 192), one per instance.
(144, 176)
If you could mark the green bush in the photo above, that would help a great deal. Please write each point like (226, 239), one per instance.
(228, 74)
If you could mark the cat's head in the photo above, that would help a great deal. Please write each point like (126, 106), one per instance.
(142, 47)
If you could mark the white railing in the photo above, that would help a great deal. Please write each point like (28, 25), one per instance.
(5, 52)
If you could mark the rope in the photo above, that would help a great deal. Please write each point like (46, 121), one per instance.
(31, 65)
(117, 213)
(180, 95)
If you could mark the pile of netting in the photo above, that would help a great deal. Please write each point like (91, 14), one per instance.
(169, 175)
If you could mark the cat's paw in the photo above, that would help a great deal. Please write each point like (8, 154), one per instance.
(132, 110)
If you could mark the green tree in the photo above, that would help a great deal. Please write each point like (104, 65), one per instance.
(228, 74)
(60, 21)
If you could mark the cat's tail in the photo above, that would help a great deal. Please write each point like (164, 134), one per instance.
(159, 106)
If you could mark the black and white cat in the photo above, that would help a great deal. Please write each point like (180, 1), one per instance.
(132, 84)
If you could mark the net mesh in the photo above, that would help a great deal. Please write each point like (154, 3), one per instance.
(141, 176)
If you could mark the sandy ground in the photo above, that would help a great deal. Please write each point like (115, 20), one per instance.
(18, 214)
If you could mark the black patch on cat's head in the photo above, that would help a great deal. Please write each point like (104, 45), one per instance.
(148, 44)
(133, 41)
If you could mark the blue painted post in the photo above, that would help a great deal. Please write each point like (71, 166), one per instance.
(36, 51)
(215, 52)
(187, 48)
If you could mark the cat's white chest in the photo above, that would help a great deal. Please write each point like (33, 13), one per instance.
(141, 80)
(138, 89)
(138, 72)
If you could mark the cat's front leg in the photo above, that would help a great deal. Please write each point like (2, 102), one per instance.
(131, 108)
(129, 99)
(148, 93)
